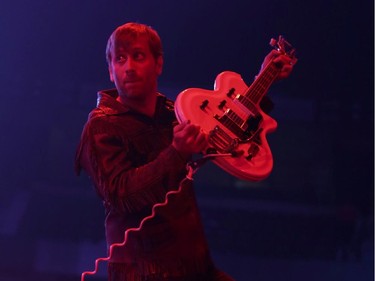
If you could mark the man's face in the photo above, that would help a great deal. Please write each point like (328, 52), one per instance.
(134, 69)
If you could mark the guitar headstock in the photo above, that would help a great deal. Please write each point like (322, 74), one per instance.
(284, 47)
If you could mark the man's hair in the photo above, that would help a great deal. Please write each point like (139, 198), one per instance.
(131, 31)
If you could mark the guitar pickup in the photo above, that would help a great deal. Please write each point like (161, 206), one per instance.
(232, 122)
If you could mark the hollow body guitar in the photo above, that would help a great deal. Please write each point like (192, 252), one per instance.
(232, 118)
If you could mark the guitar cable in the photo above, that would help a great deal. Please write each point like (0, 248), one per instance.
(192, 167)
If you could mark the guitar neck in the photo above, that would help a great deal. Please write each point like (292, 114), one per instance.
(263, 81)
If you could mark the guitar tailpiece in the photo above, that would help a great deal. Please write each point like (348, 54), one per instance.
(193, 166)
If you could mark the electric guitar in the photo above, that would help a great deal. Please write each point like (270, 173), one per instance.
(232, 118)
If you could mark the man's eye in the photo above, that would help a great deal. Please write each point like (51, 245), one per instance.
(139, 56)
(120, 58)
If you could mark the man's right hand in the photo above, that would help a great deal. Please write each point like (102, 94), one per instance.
(189, 139)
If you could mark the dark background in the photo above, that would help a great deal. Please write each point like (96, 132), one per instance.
(312, 219)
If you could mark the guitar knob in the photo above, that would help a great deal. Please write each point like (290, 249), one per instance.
(204, 105)
(231, 92)
(252, 151)
(222, 104)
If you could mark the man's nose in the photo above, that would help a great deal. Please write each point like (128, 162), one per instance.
(129, 64)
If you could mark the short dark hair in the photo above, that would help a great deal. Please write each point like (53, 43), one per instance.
(130, 31)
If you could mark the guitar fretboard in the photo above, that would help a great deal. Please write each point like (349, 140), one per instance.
(260, 86)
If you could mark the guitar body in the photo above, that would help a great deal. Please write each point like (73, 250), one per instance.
(237, 132)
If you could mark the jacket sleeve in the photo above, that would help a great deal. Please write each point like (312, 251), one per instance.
(104, 156)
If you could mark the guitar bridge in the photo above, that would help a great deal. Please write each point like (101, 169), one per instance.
(222, 142)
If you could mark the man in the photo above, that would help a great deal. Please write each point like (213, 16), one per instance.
(135, 153)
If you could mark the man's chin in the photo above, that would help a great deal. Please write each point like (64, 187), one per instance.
(132, 91)
(134, 94)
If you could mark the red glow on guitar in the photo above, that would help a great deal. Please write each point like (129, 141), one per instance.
(232, 118)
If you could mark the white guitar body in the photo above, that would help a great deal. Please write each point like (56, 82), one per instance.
(232, 118)
(237, 132)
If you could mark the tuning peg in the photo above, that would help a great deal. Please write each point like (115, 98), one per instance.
(273, 42)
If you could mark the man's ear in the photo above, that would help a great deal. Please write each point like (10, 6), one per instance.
(159, 64)
(110, 73)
